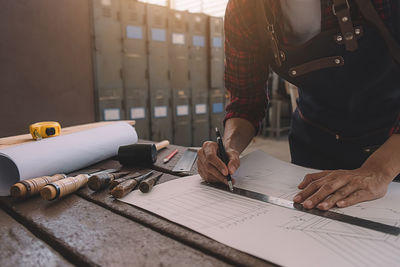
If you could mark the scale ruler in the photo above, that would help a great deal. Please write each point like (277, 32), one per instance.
(185, 163)
(372, 225)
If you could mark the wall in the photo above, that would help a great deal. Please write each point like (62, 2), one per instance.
(45, 63)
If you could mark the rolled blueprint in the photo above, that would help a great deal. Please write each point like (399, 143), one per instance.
(62, 154)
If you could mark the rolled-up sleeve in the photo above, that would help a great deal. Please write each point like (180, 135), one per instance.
(246, 64)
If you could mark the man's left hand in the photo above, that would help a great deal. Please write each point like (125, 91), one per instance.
(342, 188)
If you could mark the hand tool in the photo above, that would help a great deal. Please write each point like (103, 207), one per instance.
(102, 181)
(116, 182)
(185, 163)
(146, 185)
(44, 129)
(380, 227)
(30, 187)
(140, 154)
(68, 185)
(224, 157)
(127, 186)
(170, 156)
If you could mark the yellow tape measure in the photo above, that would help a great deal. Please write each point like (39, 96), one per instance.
(44, 129)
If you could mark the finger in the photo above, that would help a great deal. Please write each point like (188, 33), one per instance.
(211, 157)
(327, 186)
(354, 198)
(311, 177)
(214, 175)
(340, 194)
(201, 170)
(234, 162)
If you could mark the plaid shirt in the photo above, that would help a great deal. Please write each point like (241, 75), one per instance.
(246, 66)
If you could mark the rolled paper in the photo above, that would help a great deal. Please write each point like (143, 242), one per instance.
(62, 154)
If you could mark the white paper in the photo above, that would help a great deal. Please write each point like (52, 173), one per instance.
(160, 111)
(182, 110)
(283, 236)
(134, 32)
(158, 35)
(112, 114)
(201, 109)
(138, 113)
(62, 154)
(178, 38)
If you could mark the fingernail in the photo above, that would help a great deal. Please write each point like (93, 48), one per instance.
(297, 198)
(232, 170)
(323, 205)
(307, 203)
(340, 203)
(224, 173)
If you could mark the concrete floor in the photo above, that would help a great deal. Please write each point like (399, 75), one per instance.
(278, 148)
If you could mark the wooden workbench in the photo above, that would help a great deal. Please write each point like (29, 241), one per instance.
(93, 229)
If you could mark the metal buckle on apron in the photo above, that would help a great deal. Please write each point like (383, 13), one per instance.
(341, 9)
(278, 55)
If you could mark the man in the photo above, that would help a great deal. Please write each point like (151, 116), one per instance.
(343, 56)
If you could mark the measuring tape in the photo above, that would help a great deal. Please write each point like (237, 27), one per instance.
(44, 129)
(380, 227)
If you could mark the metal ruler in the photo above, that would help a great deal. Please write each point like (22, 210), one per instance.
(380, 227)
(185, 163)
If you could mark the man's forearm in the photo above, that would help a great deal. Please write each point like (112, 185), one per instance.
(386, 160)
(238, 134)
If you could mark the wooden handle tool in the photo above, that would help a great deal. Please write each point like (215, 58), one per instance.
(162, 144)
(32, 186)
(118, 181)
(127, 186)
(102, 181)
(63, 187)
(67, 186)
(146, 185)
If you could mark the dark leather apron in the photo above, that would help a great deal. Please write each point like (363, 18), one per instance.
(349, 93)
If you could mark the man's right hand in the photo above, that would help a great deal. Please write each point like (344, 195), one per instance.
(211, 168)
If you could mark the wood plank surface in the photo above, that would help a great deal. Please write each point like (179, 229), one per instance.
(19, 247)
(98, 236)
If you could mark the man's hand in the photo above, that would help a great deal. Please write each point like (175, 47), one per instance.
(342, 188)
(211, 167)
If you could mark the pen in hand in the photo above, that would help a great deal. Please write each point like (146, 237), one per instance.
(224, 157)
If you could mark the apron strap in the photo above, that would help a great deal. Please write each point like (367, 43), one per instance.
(370, 14)
(341, 9)
(269, 30)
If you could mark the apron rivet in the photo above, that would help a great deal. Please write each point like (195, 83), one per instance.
(337, 137)
(337, 61)
(349, 36)
(283, 56)
(339, 38)
(294, 73)
(357, 31)
(345, 19)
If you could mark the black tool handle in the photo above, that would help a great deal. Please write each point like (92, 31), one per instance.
(222, 152)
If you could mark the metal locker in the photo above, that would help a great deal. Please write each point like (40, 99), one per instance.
(217, 113)
(217, 91)
(136, 87)
(198, 65)
(179, 68)
(108, 60)
(216, 52)
(159, 76)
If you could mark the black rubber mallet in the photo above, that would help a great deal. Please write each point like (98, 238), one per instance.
(140, 154)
